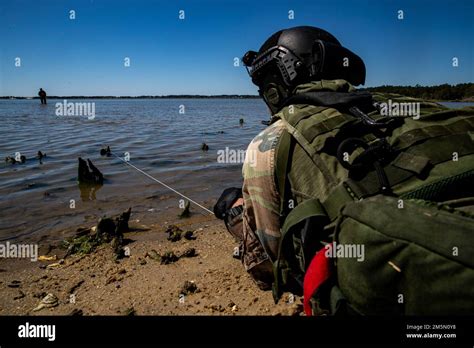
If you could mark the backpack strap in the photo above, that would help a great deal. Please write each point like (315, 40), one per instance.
(310, 150)
(284, 151)
(411, 137)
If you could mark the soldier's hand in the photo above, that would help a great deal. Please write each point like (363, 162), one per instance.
(226, 201)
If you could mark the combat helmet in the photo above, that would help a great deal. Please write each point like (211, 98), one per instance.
(298, 55)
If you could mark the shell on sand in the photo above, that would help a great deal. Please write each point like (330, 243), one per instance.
(49, 301)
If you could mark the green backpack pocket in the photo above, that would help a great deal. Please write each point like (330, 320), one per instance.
(417, 257)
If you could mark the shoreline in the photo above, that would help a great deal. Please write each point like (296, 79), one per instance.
(205, 97)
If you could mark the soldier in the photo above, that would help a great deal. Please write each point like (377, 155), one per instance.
(328, 145)
(289, 67)
(42, 95)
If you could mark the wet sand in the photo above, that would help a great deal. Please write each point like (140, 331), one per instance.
(139, 284)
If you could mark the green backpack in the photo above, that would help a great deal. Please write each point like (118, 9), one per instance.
(398, 231)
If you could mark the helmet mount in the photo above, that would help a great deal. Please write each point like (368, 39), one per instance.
(299, 55)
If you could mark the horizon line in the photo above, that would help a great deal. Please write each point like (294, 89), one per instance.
(204, 96)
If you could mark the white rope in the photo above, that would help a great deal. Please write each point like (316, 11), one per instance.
(163, 184)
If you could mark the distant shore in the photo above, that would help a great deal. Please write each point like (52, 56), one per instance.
(461, 92)
(465, 100)
(184, 96)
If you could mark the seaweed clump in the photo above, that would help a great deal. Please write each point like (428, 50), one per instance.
(107, 230)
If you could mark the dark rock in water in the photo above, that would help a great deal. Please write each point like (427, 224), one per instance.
(188, 288)
(10, 160)
(106, 152)
(185, 213)
(241, 121)
(191, 252)
(88, 173)
(40, 155)
(266, 123)
(174, 233)
(204, 147)
(169, 257)
(98, 177)
(189, 235)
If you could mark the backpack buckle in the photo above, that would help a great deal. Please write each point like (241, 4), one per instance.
(373, 155)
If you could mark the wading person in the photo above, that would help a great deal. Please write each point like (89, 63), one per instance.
(42, 95)
(346, 203)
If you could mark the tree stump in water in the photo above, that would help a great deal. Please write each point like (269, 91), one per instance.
(88, 173)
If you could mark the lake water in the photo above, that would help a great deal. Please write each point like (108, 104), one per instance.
(35, 199)
(457, 105)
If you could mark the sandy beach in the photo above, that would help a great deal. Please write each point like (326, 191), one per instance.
(96, 284)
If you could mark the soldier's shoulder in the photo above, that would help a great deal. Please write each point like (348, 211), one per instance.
(259, 158)
(267, 138)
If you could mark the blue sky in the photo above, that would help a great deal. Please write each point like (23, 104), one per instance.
(85, 56)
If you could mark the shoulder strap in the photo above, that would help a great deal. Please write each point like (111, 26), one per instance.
(311, 151)
(283, 152)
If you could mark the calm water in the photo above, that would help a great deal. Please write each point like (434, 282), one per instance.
(457, 105)
(35, 198)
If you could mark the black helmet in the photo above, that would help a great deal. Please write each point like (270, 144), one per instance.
(298, 55)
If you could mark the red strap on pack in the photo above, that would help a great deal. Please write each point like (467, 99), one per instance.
(317, 273)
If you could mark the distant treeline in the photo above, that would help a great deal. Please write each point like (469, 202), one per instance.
(462, 91)
(180, 96)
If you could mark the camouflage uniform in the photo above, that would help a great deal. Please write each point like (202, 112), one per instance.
(261, 216)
